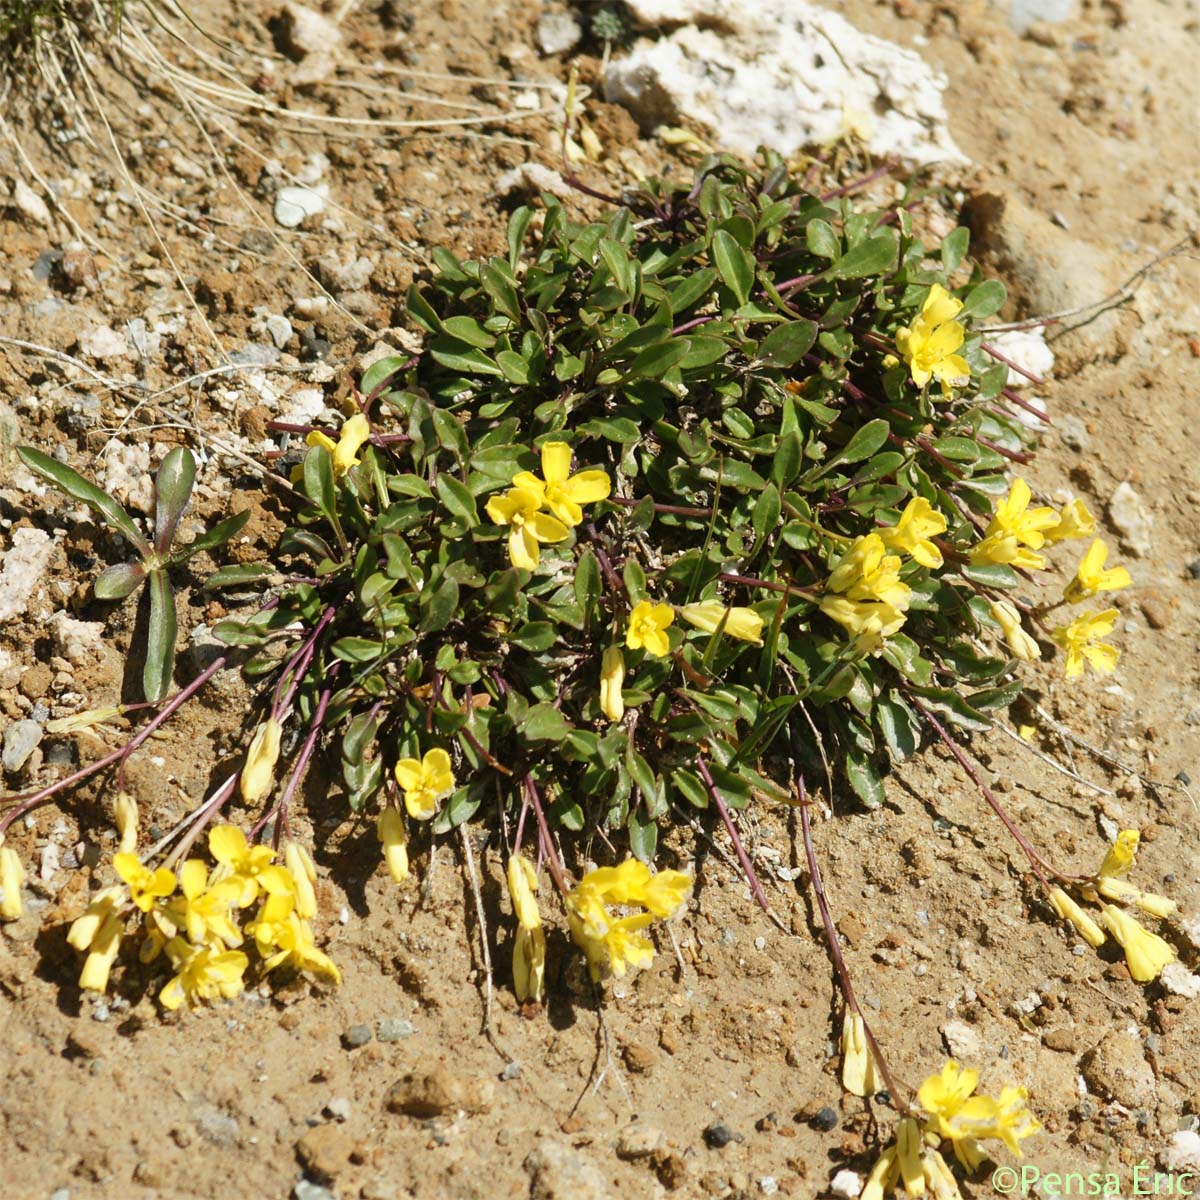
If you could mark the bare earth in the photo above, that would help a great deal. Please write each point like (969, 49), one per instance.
(1088, 128)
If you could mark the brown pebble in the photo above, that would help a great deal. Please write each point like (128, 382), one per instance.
(325, 1152)
(438, 1092)
(639, 1058)
(35, 681)
(1062, 1039)
(1156, 608)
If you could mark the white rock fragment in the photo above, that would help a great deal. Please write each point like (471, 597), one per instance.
(1131, 519)
(304, 406)
(558, 32)
(279, 329)
(962, 1041)
(29, 204)
(1183, 1154)
(1027, 349)
(530, 178)
(1023, 13)
(781, 73)
(306, 31)
(127, 475)
(349, 275)
(1179, 981)
(310, 307)
(24, 564)
(846, 1183)
(77, 641)
(103, 343)
(293, 204)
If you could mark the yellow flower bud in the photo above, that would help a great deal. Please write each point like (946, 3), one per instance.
(303, 871)
(127, 822)
(1119, 858)
(390, 828)
(12, 875)
(1124, 892)
(258, 775)
(1068, 910)
(98, 963)
(85, 719)
(858, 1064)
(743, 623)
(1145, 953)
(612, 680)
(884, 1176)
(1019, 642)
(908, 1154)
(529, 946)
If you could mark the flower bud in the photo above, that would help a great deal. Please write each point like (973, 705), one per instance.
(743, 623)
(390, 828)
(126, 810)
(1019, 642)
(258, 775)
(12, 875)
(612, 680)
(1068, 910)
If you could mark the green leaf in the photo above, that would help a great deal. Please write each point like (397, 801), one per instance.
(765, 517)
(544, 723)
(356, 649)
(616, 259)
(318, 481)
(984, 299)
(873, 256)
(498, 282)
(655, 361)
(458, 500)
(518, 223)
(514, 367)
(79, 488)
(441, 607)
(787, 344)
(734, 265)
(821, 239)
(643, 834)
(160, 638)
(954, 248)
(448, 352)
(378, 373)
(587, 581)
(898, 725)
(863, 776)
(866, 440)
(172, 491)
(467, 329)
(118, 581)
(698, 283)
(421, 312)
(218, 535)
(534, 635)
(996, 575)
(703, 352)
(635, 580)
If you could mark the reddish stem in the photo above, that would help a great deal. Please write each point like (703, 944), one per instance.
(743, 858)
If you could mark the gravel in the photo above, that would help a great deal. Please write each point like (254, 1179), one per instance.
(20, 741)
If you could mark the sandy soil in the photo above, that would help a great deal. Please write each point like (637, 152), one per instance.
(1086, 130)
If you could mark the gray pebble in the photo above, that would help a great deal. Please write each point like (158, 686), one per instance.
(61, 1194)
(338, 1109)
(511, 1071)
(62, 754)
(825, 1119)
(1193, 568)
(100, 1012)
(255, 354)
(20, 741)
(558, 32)
(1074, 432)
(217, 1127)
(394, 1029)
(728, 937)
(280, 330)
(719, 1134)
(355, 1036)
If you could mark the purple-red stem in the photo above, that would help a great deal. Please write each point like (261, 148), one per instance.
(208, 810)
(743, 858)
(306, 752)
(549, 851)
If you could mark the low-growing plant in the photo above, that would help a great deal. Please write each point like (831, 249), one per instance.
(155, 557)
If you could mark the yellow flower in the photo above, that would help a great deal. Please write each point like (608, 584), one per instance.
(743, 623)
(1081, 641)
(390, 830)
(126, 817)
(908, 1155)
(1015, 531)
(104, 947)
(425, 782)
(1014, 1121)
(1073, 522)
(560, 491)
(258, 774)
(145, 886)
(283, 939)
(929, 343)
(866, 622)
(1090, 576)
(202, 974)
(103, 904)
(250, 866)
(1019, 642)
(529, 948)
(303, 871)
(944, 1094)
(344, 452)
(919, 522)
(1068, 910)
(12, 876)
(647, 628)
(884, 1176)
(867, 572)
(203, 912)
(859, 1073)
(612, 680)
(617, 944)
(1123, 892)
(1120, 856)
(518, 509)
(938, 1177)
(1145, 952)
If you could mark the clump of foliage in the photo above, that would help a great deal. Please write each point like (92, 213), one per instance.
(725, 354)
(25, 25)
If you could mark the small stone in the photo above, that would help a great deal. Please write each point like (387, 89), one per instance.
(768, 1185)
(394, 1029)
(20, 741)
(1156, 608)
(78, 641)
(639, 1058)
(825, 1119)
(100, 1013)
(103, 343)
(1179, 981)
(1183, 1154)
(25, 562)
(30, 204)
(338, 1109)
(351, 274)
(305, 31)
(305, 1189)
(639, 1140)
(558, 1172)
(294, 204)
(279, 329)
(1062, 1039)
(511, 1071)
(355, 1036)
(718, 1134)
(1117, 1070)
(1074, 432)
(531, 178)
(216, 1127)
(963, 1042)
(255, 354)
(324, 1152)
(1131, 519)
(558, 32)
(846, 1183)
(438, 1092)
(1193, 568)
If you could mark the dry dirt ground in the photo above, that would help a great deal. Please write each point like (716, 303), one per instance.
(1088, 129)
